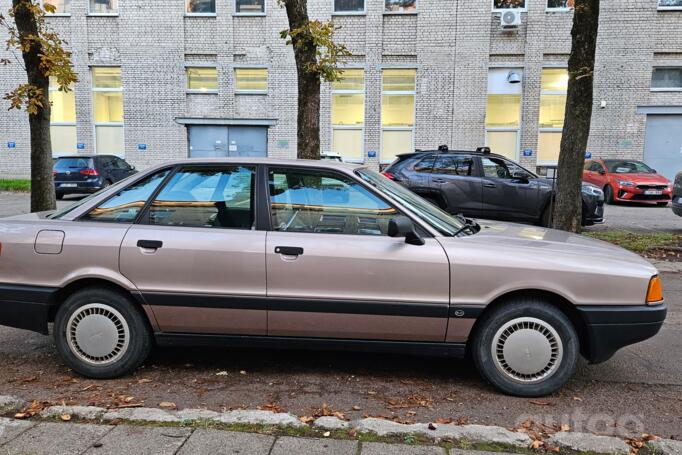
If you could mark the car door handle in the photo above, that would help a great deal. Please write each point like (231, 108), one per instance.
(150, 244)
(439, 180)
(289, 250)
(489, 185)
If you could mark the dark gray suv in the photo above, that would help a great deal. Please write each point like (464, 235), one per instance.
(485, 185)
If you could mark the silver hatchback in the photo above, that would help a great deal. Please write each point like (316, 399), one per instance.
(315, 254)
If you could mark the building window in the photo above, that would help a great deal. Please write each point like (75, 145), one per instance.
(348, 115)
(251, 80)
(669, 4)
(103, 6)
(503, 111)
(200, 6)
(249, 6)
(398, 91)
(349, 6)
(400, 6)
(560, 4)
(60, 6)
(554, 84)
(666, 79)
(108, 110)
(62, 119)
(202, 79)
(509, 4)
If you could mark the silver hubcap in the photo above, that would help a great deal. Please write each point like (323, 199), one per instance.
(98, 334)
(527, 350)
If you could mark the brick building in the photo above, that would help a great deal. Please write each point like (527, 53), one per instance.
(163, 79)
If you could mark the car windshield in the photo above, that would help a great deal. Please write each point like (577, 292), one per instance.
(627, 167)
(440, 220)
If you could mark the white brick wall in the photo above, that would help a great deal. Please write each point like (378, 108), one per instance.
(452, 44)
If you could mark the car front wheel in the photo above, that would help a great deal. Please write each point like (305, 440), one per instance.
(101, 334)
(526, 348)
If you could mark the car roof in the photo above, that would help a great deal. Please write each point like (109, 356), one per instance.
(452, 152)
(269, 161)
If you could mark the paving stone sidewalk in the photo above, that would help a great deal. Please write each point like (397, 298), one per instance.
(21, 437)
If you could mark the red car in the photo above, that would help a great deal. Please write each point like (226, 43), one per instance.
(627, 181)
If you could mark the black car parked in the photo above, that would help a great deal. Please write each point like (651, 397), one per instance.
(485, 185)
(88, 174)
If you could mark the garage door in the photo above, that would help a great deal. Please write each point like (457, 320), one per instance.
(663, 144)
(218, 141)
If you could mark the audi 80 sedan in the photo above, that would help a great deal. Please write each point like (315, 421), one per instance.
(315, 254)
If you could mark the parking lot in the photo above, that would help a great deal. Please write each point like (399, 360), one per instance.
(639, 389)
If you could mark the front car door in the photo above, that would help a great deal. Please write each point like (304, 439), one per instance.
(196, 256)
(509, 191)
(456, 179)
(333, 272)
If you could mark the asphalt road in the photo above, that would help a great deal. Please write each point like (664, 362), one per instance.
(640, 389)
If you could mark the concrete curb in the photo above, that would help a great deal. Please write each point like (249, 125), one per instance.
(476, 434)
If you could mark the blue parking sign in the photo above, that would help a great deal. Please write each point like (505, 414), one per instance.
(11, 145)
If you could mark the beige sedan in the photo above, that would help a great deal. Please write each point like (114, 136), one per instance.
(315, 254)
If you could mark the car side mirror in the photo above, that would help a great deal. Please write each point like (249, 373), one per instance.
(402, 226)
(520, 177)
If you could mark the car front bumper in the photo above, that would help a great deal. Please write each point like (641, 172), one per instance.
(610, 328)
(634, 194)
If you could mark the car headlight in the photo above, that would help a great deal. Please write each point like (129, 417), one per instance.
(625, 183)
(592, 190)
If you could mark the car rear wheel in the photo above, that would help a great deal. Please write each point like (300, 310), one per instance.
(608, 194)
(60, 196)
(662, 204)
(101, 334)
(526, 348)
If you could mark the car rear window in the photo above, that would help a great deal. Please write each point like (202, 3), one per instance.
(65, 164)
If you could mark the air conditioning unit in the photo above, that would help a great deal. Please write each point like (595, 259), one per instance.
(510, 19)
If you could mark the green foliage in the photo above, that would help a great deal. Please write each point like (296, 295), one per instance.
(320, 36)
(638, 242)
(54, 60)
(15, 185)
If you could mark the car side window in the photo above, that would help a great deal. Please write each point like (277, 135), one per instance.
(495, 168)
(127, 203)
(425, 165)
(454, 165)
(326, 203)
(207, 197)
(120, 164)
(596, 167)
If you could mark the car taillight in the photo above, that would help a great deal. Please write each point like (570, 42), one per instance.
(388, 175)
(89, 172)
(654, 294)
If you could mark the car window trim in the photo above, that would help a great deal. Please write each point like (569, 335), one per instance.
(143, 216)
(418, 224)
(102, 201)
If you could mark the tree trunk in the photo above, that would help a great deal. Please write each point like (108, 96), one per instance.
(42, 181)
(568, 213)
(305, 54)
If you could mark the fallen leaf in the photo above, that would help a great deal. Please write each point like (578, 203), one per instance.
(128, 399)
(65, 417)
(565, 427)
(541, 403)
(306, 419)
(357, 408)
(536, 444)
(326, 434)
(443, 421)
(144, 381)
(168, 405)
(22, 415)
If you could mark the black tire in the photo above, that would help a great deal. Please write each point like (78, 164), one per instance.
(662, 204)
(60, 196)
(608, 195)
(119, 310)
(544, 317)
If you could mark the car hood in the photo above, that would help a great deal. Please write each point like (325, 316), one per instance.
(657, 179)
(506, 257)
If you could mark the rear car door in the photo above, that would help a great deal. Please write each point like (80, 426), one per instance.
(196, 256)
(333, 271)
(456, 179)
(507, 196)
